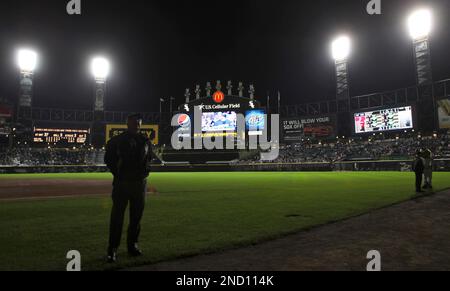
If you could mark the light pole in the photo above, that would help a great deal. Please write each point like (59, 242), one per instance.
(340, 49)
(161, 101)
(100, 68)
(420, 24)
(279, 102)
(171, 104)
(27, 62)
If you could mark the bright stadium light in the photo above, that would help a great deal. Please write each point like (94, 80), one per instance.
(100, 68)
(341, 48)
(27, 60)
(419, 23)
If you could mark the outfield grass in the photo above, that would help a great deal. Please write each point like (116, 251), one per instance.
(193, 213)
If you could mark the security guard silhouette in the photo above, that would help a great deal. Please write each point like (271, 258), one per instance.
(128, 157)
(418, 168)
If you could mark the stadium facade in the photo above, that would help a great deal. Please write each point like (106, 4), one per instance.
(430, 106)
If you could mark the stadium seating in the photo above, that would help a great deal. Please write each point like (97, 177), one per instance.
(353, 149)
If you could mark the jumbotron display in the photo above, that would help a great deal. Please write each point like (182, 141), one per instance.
(219, 121)
(384, 120)
(60, 135)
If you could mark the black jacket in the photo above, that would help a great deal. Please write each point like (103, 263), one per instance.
(418, 165)
(128, 156)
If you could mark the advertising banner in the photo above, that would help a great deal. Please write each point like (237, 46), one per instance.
(295, 129)
(152, 131)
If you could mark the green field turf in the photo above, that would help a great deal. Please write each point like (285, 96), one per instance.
(193, 213)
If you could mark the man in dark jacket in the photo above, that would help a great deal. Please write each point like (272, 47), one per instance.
(128, 157)
(418, 168)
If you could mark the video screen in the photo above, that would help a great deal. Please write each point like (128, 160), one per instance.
(384, 120)
(444, 113)
(219, 121)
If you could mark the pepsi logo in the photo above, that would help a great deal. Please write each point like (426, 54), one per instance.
(184, 120)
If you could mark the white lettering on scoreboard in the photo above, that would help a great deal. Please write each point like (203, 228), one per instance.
(56, 135)
(384, 120)
(220, 106)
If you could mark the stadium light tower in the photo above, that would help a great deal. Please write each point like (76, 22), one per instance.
(420, 25)
(100, 69)
(340, 49)
(27, 62)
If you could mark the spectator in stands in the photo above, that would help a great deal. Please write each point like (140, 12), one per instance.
(402, 147)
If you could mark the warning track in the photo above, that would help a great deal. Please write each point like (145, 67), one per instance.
(22, 189)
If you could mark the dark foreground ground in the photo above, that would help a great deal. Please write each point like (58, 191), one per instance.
(413, 235)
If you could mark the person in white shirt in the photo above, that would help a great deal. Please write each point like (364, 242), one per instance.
(428, 169)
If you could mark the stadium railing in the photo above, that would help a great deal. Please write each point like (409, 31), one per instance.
(378, 165)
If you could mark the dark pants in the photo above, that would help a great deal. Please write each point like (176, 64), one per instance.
(419, 176)
(125, 192)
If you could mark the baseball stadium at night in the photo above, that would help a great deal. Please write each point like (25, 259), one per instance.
(225, 136)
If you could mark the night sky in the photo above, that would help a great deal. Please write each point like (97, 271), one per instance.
(159, 48)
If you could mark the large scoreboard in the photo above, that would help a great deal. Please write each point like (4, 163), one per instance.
(384, 120)
(221, 118)
(222, 124)
(60, 136)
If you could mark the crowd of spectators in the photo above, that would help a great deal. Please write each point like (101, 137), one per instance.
(306, 151)
(364, 149)
(28, 156)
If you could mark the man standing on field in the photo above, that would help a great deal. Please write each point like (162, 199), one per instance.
(418, 168)
(428, 169)
(128, 157)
